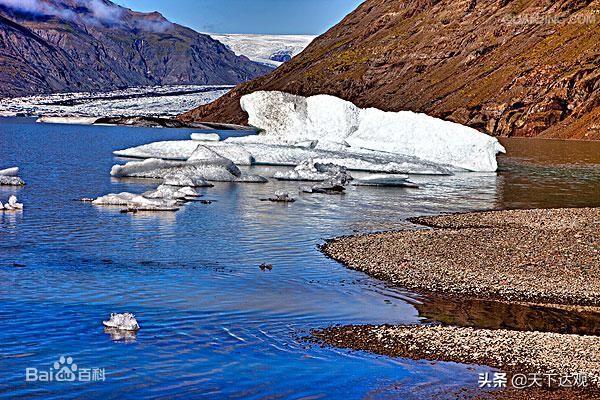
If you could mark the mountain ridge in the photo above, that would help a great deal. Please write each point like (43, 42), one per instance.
(504, 67)
(50, 46)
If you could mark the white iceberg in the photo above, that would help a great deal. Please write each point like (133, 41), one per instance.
(202, 165)
(288, 119)
(14, 171)
(126, 322)
(310, 170)
(205, 137)
(258, 149)
(74, 120)
(385, 180)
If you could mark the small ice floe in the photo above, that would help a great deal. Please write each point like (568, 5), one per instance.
(310, 170)
(9, 177)
(12, 205)
(280, 197)
(124, 322)
(136, 202)
(330, 187)
(385, 181)
(205, 137)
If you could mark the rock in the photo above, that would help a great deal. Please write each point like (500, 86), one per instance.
(126, 322)
(280, 197)
(266, 267)
(324, 188)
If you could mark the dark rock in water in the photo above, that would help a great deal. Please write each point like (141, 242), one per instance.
(280, 198)
(325, 189)
(69, 48)
(206, 201)
(265, 267)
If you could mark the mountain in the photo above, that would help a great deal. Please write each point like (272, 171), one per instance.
(49, 46)
(270, 50)
(505, 67)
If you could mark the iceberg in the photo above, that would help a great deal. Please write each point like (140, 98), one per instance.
(203, 165)
(171, 192)
(126, 322)
(287, 118)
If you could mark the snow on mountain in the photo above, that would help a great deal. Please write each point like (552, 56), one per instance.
(270, 50)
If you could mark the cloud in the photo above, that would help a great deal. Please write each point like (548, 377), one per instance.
(99, 12)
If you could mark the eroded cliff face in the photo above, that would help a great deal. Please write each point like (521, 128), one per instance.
(507, 68)
(68, 46)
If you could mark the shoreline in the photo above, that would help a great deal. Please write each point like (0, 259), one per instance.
(539, 257)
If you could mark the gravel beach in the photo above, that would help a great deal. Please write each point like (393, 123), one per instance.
(535, 256)
(509, 351)
(529, 257)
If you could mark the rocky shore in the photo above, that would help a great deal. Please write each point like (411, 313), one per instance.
(534, 256)
(521, 256)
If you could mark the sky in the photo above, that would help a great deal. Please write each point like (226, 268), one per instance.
(310, 17)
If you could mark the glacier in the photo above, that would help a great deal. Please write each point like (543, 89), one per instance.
(287, 118)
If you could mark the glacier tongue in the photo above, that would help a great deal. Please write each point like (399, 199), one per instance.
(286, 119)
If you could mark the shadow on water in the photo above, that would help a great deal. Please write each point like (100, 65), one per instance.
(487, 314)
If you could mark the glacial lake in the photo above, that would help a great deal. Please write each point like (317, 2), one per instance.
(213, 324)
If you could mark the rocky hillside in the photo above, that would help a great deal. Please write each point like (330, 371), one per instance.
(51, 46)
(505, 67)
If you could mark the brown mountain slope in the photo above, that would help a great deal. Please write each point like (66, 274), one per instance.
(508, 68)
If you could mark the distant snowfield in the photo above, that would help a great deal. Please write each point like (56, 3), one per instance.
(271, 50)
(157, 101)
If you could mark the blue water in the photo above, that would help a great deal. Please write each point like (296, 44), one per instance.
(213, 324)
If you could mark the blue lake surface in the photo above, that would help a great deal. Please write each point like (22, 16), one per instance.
(213, 324)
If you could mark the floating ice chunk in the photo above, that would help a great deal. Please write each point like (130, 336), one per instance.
(132, 200)
(14, 171)
(11, 181)
(310, 170)
(12, 204)
(287, 119)
(385, 180)
(126, 322)
(171, 192)
(205, 137)
(68, 120)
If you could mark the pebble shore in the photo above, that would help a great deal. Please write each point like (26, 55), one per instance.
(547, 256)
(534, 256)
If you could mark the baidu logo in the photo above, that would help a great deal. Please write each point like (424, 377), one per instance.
(65, 370)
